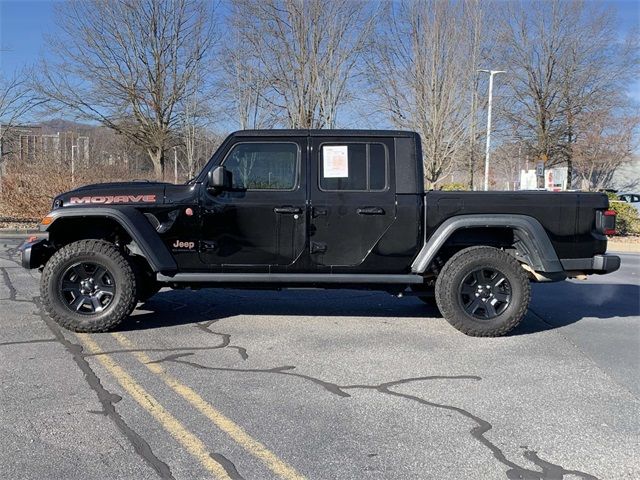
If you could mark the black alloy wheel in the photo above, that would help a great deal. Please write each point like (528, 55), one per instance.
(87, 288)
(485, 293)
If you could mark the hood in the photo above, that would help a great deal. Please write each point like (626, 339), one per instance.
(116, 193)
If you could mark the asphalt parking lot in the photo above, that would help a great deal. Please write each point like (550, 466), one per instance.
(330, 384)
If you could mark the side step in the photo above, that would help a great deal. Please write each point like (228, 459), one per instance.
(288, 278)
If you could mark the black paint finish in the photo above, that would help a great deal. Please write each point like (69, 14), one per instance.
(316, 227)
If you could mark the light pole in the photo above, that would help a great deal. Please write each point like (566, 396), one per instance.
(486, 152)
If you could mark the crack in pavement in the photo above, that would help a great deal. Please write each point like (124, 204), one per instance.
(106, 398)
(550, 471)
(228, 466)
(13, 293)
(226, 338)
(25, 342)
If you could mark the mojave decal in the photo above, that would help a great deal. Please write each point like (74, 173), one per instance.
(109, 199)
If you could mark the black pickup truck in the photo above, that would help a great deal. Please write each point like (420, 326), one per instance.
(315, 208)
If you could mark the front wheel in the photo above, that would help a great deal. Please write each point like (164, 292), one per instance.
(88, 286)
(483, 292)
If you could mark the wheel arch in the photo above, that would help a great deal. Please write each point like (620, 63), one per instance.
(530, 240)
(76, 223)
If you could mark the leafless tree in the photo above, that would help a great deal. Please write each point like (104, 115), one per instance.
(298, 57)
(608, 143)
(594, 72)
(474, 13)
(563, 59)
(16, 101)
(244, 84)
(421, 72)
(129, 64)
(506, 162)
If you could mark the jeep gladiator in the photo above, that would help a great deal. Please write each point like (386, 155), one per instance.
(315, 208)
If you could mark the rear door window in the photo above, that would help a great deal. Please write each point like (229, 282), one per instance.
(352, 167)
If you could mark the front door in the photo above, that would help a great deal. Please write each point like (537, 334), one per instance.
(352, 200)
(259, 225)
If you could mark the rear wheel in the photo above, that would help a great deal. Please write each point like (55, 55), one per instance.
(483, 291)
(88, 286)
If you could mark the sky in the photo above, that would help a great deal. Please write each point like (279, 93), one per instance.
(25, 24)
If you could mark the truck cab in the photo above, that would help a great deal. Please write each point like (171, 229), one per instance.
(304, 202)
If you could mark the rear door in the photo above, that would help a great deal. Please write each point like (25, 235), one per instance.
(352, 199)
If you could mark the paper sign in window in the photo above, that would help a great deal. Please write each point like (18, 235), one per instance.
(335, 161)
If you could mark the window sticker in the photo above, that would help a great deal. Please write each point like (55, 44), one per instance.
(335, 161)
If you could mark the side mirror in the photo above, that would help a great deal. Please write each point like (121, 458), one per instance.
(219, 178)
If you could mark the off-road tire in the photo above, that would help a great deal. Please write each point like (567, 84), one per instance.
(100, 252)
(449, 285)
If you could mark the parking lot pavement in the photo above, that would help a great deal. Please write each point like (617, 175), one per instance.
(336, 384)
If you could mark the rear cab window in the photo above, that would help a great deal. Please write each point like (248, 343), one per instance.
(355, 167)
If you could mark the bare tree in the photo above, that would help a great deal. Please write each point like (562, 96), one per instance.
(245, 84)
(475, 18)
(299, 57)
(128, 64)
(421, 72)
(608, 143)
(16, 101)
(595, 71)
(563, 60)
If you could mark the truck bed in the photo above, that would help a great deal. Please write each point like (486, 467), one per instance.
(567, 217)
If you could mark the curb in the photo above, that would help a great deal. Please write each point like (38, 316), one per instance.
(623, 247)
(17, 233)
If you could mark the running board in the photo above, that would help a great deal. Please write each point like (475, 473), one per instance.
(287, 278)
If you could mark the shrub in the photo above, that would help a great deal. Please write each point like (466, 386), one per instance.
(28, 191)
(627, 220)
(452, 187)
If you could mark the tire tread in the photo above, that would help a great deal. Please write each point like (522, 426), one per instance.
(127, 299)
(446, 292)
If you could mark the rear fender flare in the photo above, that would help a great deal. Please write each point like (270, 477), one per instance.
(134, 223)
(532, 237)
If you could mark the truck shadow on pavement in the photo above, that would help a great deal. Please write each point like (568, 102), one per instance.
(552, 306)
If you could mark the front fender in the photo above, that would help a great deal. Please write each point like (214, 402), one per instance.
(132, 221)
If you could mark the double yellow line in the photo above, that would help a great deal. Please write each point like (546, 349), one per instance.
(171, 424)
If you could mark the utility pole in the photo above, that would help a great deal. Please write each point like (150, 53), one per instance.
(175, 165)
(487, 149)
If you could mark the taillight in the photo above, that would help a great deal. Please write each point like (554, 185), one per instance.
(606, 222)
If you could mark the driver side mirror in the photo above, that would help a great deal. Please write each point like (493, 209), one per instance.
(219, 178)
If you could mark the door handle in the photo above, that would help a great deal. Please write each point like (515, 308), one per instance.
(370, 211)
(318, 212)
(290, 210)
(208, 246)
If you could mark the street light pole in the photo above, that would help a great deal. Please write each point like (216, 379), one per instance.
(488, 146)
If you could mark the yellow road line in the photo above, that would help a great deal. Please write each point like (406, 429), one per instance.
(224, 423)
(188, 440)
